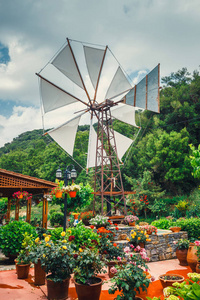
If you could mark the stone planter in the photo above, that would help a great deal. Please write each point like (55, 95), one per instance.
(182, 256)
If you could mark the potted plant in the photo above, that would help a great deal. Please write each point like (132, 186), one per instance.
(23, 260)
(197, 246)
(169, 279)
(182, 246)
(109, 250)
(131, 219)
(130, 279)
(192, 256)
(139, 237)
(87, 266)
(99, 221)
(86, 217)
(188, 289)
(58, 262)
(150, 229)
(72, 189)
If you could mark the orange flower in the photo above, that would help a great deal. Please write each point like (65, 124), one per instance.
(115, 245)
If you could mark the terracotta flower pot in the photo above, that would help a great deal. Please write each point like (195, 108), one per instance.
(22, 271)
(57, 290)
(89, 292)
(175, 229)
(58, 194)
(192, 257)
(198, 267)
(181, 254)
(72, 194)
(131, 223)
(39, 274)
(169, 282)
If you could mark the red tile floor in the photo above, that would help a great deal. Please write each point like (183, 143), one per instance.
(12, 288)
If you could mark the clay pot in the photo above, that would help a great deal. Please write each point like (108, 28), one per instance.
(57, 290)
(169, 282)
(72, 194)
(58, 194)
(86, 222)
(198, 267)
(192, 257)
(181, 254)
(89, 292)
(22, 271)
(175, 229)
(131, 223)
(39, 274)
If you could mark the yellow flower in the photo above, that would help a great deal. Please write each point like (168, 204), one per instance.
(128, 239)
(69, 231)
(80, 249)
(44, 234)
(63, 233)
(139, 238)
(37, 239)
(48, 245)
(64, 247)
(47, 239)
(147, 235)
(44, 255)
(64, 241)
(142, 231)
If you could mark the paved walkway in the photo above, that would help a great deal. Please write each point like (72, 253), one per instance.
(12, 288)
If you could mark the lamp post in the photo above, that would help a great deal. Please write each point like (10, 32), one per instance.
(68, 175)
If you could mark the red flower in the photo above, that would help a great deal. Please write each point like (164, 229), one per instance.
(75, 256)
(92, 226)
(105, 252)
(71, 238)
(117, 228)
(115, 245)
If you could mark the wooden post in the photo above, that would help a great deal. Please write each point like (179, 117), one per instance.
(44, 213)
(28, 210)
(8, 211)
(17, 210)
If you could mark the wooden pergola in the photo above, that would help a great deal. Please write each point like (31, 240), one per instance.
(11, 182)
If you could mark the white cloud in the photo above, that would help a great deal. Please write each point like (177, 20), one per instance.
(139, 33)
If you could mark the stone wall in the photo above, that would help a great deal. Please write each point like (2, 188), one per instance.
(161, 246)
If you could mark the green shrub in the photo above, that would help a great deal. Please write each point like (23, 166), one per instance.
(57, 218)
(3, 208)
(12, 235)
(192, 226)
(55, 233)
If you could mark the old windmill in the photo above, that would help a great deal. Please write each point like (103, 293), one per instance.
(91, 76)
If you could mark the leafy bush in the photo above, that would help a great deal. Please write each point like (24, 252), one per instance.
(57, 218)
(12, 235)
(192, 225)
(55, 234)
(3, 208)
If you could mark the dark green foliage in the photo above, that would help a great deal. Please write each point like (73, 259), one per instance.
(12, 235)
(3, 208)
(57, 218)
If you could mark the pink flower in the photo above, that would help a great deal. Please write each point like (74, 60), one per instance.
(132, 246)
(153, 278)
(113, 270)
(127, 250)
(174, 242)
(138, 248)
(197, 243)
(119, 258)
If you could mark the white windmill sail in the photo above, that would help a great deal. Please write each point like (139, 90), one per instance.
(119, 84)
(124, 113)
(122, 144)
(146, 93)
(65, 63)
(65, 134)
(94, 58)
(92, 145)
(53, 97)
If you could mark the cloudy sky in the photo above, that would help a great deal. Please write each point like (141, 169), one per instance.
(140, 33)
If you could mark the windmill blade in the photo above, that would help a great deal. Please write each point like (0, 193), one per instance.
(124, 113)
(65, 63)
(54, 97)
(92, 145)
(119, 84)
(94, 58)
(65, 134)
(146, 93)
(122, 144)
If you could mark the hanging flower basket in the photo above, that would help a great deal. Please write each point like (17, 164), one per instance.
(72, 194)
(58, 194)
(22, 195)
